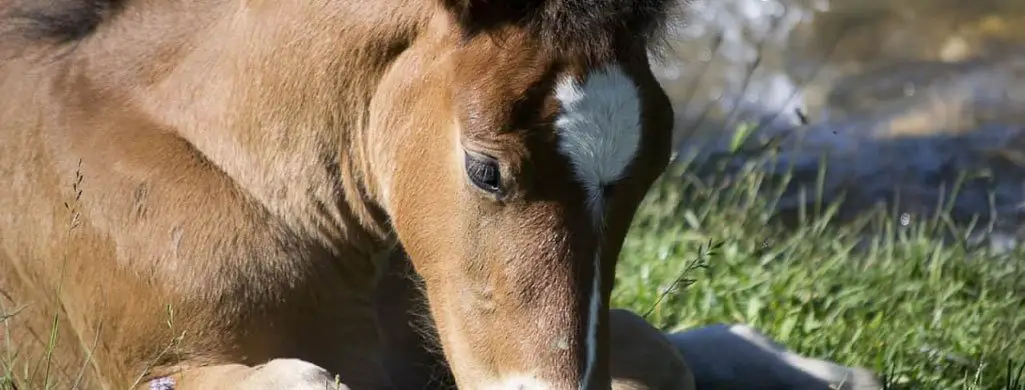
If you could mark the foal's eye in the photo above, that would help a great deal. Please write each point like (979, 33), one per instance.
(483, 172)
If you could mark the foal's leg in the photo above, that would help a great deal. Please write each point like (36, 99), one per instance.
(283, 374)
(736, 357)
(642, 357)
(718, 357)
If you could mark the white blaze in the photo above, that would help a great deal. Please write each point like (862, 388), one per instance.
(599, 130)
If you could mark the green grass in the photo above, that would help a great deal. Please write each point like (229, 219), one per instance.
(924, 313)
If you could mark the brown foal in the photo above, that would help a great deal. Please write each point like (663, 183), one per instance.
(208, 189)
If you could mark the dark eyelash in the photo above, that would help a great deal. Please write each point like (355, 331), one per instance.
(477, 167)
(483, 172)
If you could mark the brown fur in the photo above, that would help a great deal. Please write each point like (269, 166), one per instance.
(642, 357)
(213, 184)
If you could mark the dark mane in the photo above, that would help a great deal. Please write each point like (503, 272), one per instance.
(575, 22)
(569, 25)
(57, 21)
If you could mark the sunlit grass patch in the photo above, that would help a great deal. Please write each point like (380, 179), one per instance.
(889, 296)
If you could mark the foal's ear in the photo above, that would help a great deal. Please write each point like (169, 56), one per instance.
(474, 16)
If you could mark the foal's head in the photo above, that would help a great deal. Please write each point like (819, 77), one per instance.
(521, 137)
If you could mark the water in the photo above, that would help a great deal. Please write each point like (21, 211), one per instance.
(716, 48)
(900, 95)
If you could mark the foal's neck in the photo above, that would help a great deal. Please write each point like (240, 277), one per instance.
(276, 95)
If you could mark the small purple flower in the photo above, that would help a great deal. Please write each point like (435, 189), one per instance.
(162, 383)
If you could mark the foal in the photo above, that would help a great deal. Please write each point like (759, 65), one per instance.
(205, 189)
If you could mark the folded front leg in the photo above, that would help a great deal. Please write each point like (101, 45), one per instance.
(642, 357)
(738, 357)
